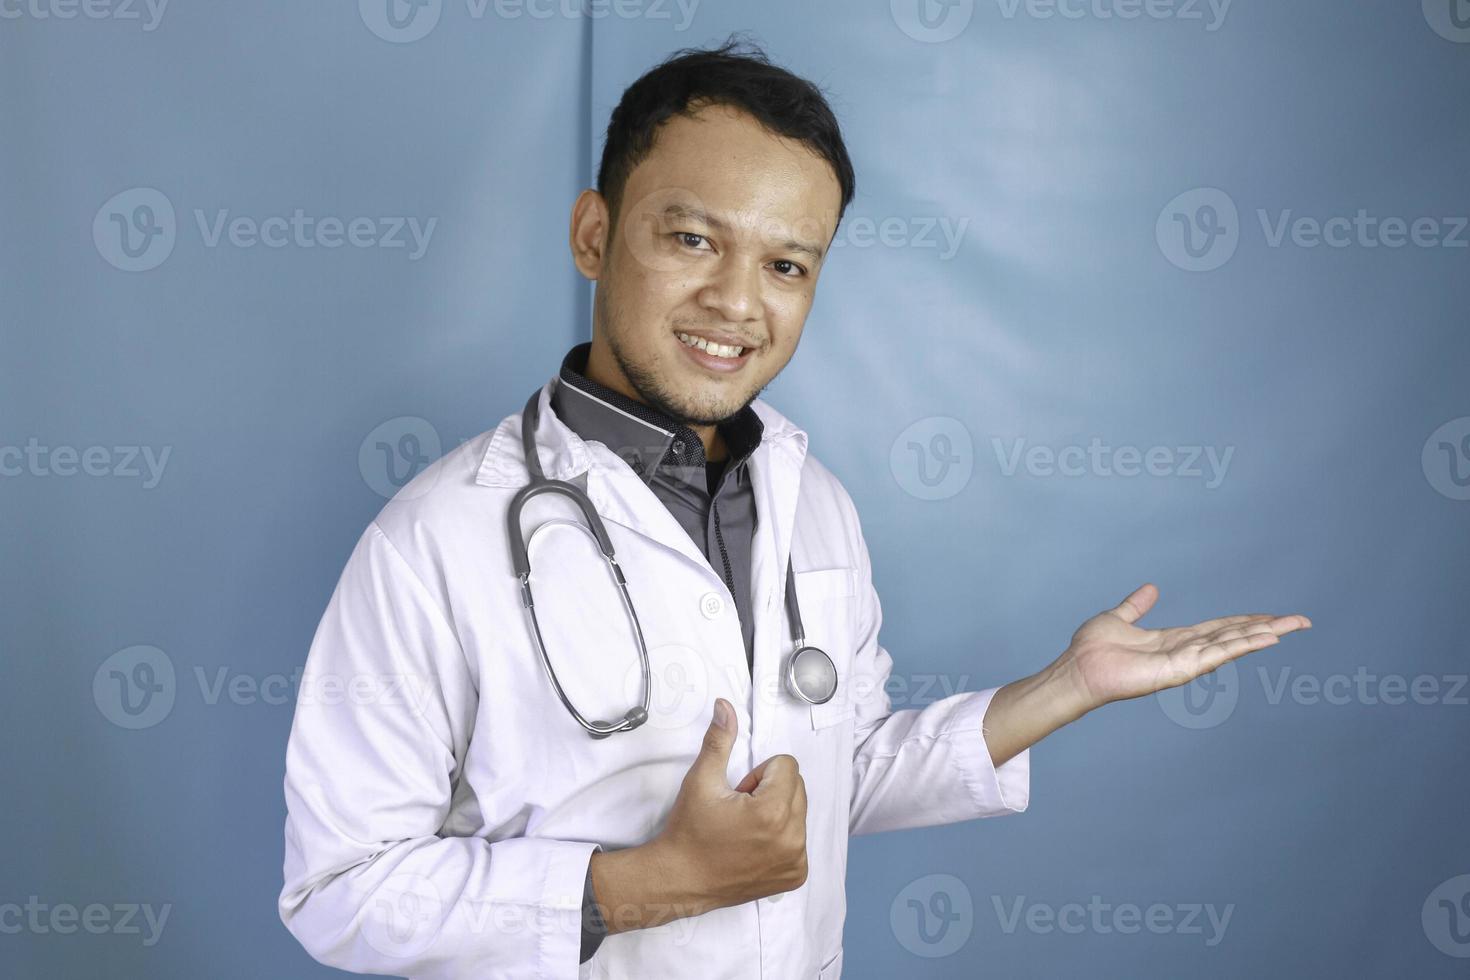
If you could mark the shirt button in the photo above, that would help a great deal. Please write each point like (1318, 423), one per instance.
(679, 447)
(711, 604)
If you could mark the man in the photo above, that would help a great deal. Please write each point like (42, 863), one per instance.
(471, 827)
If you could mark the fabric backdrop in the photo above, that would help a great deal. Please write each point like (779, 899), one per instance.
(1168, 291)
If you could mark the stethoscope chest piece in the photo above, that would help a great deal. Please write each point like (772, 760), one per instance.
(811, 675)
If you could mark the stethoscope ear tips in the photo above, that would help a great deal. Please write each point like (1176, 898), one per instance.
(636, 716)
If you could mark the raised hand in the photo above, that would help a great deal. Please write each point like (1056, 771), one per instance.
(1111, 658)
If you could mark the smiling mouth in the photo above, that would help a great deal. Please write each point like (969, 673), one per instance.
(724, 351)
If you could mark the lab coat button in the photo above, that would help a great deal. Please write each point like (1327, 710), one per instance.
(711, 605)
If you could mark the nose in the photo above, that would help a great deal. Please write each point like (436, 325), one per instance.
(734, 292)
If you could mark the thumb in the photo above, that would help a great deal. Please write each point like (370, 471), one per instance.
(714, 754)
(1133, 608)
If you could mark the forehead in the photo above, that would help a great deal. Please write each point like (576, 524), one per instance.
(724, 163)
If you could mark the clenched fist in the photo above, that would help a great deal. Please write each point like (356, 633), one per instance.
(739, 844)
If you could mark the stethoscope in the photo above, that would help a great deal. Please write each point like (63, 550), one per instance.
(809, 673)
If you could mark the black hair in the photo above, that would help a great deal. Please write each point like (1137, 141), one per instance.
(732, 75)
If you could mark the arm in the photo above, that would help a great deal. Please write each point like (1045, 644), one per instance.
(1025, 711)
(1111, 659)
(968, 755)
(919, 767)
(382, 721)
(639, 887)
(631, 888)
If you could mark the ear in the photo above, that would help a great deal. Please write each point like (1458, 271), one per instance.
(589, 234)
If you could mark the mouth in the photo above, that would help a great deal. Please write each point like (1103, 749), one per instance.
(720, 358)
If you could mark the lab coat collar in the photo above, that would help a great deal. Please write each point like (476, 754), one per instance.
(620, 495)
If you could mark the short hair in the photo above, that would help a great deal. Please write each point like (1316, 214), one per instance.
(734, 75)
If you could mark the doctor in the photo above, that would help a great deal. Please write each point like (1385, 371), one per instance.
(448, 813)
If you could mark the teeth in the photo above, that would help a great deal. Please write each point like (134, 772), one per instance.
(719, 350)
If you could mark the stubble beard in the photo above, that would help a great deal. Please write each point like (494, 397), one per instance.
(651, 386)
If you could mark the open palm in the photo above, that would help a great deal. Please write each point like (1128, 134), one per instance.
(1112, 659)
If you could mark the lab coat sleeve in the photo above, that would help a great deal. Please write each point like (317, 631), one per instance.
(384, 714)
(919, 767)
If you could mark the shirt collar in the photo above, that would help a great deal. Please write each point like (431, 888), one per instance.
(647, 439)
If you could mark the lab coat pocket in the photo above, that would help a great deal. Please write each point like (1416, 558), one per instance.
(832, 969)
(826, 597)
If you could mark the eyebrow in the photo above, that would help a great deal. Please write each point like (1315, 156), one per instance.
(720, 224)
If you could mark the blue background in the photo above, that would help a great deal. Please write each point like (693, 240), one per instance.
(1063, 315)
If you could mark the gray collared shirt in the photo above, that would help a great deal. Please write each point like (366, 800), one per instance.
(713, 502)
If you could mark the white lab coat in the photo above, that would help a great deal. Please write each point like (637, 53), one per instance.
(443, 805)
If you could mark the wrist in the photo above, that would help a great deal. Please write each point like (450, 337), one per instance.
(679, 876)
(643, 886)
(1065, 690)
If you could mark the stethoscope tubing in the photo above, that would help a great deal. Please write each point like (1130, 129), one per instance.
(521, 561)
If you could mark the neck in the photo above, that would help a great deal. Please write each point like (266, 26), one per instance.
(603, 368)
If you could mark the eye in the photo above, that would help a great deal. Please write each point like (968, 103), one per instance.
(799, 270)
(684, 236)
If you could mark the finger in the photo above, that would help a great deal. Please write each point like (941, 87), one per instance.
(1279, 625)
(1212, 628)
(749, 782)
(1212, 625)
(1216, 654)
(713, 760)
(766, 772)
(753, 778)
(1273, 626)
(1133, 608)
(1235, 641)
(1233, 632)
(778, 772)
